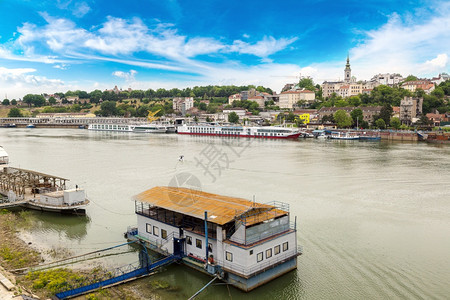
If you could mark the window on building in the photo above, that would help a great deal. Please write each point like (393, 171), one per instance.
(277, 249)
(285, 246)
(269, 253)
(259, 256)
(188, 240)
(148, 228)
(155, 231)
(228, 256)
(163, 233)
(251, 252)
(209, 247)
(198, 243)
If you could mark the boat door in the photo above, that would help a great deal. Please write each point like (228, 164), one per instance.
(178, 246)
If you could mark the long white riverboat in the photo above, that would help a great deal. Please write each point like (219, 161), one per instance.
(269, 132)
(139, 128)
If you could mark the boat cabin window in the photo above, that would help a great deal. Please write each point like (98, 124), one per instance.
(259, 256)
(228, 256)
(285, 246)
(209, 247)
(155, 231)
(164, 234)
(148, 228)
(198, 243)
(269, 253)
(277, 250)
(188, 240)
(251, 252)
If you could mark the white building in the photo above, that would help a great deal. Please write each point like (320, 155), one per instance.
(386, 79)
(234, 97)
(183, 104)
(290, 98)
(241, 112)
(244, 243)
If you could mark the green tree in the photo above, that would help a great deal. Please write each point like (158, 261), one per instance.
(13, 102)
(395, 122)
(5, 102)
(15, 113)
(95, 96)
(386, 113)
(108, 108)
(357, 116)
(410, 78)
(233, 117)
(342, 119)
(28, 99)
(38, 100)
(307, 83)
(380, 123)
(354, 101)
(52, 100)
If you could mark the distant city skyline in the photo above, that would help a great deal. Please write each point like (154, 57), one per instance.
(55, 46)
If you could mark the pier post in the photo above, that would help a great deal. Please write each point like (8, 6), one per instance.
(206, 235)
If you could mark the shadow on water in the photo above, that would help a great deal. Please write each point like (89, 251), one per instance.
(71, 226)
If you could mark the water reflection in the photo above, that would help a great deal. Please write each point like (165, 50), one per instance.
(69, 226)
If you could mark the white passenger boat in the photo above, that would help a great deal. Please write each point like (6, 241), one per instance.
(269, 132)
(344, 135)
(139, 128)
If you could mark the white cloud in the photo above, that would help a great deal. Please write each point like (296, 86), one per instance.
(267, 46)
(128, 76)
(61, 66)
(440, 61)
(18, 82)
(81, 9)
(409, 45)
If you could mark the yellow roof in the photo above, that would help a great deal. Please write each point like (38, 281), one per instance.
(221, 209)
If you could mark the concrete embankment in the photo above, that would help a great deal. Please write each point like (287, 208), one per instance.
(399, 136)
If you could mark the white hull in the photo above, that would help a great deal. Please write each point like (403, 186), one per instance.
(270, 132)
(137, 128)
(69, 209)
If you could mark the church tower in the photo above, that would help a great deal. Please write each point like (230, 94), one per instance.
(347, 71)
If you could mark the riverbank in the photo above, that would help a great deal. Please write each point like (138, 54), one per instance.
(15, 253)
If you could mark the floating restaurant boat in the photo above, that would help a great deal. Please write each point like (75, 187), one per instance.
(269, 132)
(39, 191)
(243, 243)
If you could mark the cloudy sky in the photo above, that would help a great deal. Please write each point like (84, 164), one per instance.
(51, 46)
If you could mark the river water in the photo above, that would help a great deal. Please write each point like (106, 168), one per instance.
(373, 217)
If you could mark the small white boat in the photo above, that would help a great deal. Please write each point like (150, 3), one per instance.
(344, 135)
(72, 201)
(31, 126)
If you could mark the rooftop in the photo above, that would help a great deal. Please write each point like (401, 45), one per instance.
(221, 209)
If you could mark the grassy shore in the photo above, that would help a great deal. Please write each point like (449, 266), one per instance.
(16, 254)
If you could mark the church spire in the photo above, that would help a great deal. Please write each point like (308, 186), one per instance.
(347, 71)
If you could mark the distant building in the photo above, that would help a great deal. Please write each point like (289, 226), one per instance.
(436, 118)
(258, 99)
(387, 79)
(248, 94)
(241, 112)
(425, 85)
(183, 104)
(368, 111)
(234, 97)
(441, 78)
(289, 99)
(410, 109)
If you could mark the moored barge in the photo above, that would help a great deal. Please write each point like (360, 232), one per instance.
(243, 243)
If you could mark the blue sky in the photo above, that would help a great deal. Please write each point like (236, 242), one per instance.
(50, 46)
